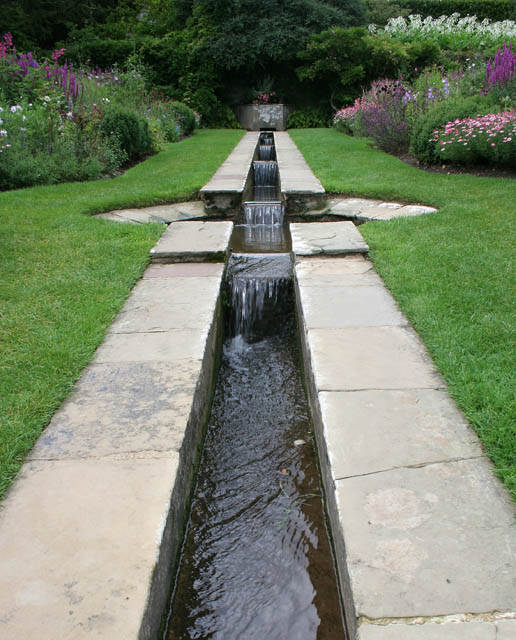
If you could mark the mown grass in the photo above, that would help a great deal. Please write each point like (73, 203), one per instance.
(64, 275)
(453, 273)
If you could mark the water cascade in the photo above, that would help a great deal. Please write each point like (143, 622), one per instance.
(270, 213)
(256, 562)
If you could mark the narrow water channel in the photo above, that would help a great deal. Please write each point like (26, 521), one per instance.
(256, 562)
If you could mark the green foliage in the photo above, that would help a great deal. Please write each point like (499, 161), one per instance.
(336, 59)
(496, 10)
(421, 144)
(131, 130)
(308, 118)
(341, 61)
(379, 11)
(38, 24)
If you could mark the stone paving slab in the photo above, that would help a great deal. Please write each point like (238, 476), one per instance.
(165, 346)
(162, 213)
(430, 631)
(326, 238)
(364, 210)
(429, 542)
(506, 630)
(367, 306)
(295, 174)
(232, 174)
(156, 304)
(184, 270)
(193, 242)
(354, 271)
(80, 541)
(358, 358)
(373, 431)
(123, 408)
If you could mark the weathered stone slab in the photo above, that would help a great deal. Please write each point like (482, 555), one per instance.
(86, 542)
(370, 358)
(372, 431)
(351, 205)
(232, 174)
(162, 213)
(348, 306)
(429, 542)
(193, 241)
(353, 270)
(168, 346)
(123, 408)
(330, 238)
(295, 174)
(430, 631)
(368, 210)
(160, 305)
(506, 630)
(184, 270)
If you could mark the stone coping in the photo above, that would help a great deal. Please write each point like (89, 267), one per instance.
(193, 242)
(91, 528)
(326, 238)
(295, 174)
(166, 213)
(424, 532)
(362, 210)
(232, 174)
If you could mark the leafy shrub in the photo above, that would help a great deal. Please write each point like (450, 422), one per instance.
(185, 118)
(40, 146)
(379, 114)
(487, 139)
(421, 144)
(308, 118)
(130, 129)
(490, 9)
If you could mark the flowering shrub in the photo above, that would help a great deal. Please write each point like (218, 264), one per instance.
(450, 32)
(56, 122)
(379, 114)
(490, 138)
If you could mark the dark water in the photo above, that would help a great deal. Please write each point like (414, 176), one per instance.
(257, 563)
(260, 238)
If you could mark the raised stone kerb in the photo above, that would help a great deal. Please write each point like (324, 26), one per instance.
(193, 242)
(224, 191)
(326, 238)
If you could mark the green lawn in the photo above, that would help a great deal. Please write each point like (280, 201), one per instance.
(453, 273)
(64, 275)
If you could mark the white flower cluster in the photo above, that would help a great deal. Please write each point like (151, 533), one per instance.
(416, 25)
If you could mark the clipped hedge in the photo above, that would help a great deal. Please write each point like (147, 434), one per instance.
(495, 10)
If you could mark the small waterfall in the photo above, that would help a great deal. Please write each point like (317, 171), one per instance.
(259, 283)
(265, 173)
(263, 213)
(266, 152)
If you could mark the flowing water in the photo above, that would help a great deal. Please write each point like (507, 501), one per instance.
(256, 562)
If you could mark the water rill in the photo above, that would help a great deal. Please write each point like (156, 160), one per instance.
(256, 562)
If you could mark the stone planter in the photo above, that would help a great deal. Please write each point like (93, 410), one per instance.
(254, 117)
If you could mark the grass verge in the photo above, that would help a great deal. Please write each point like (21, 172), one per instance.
(65, 275)
(453, 273)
